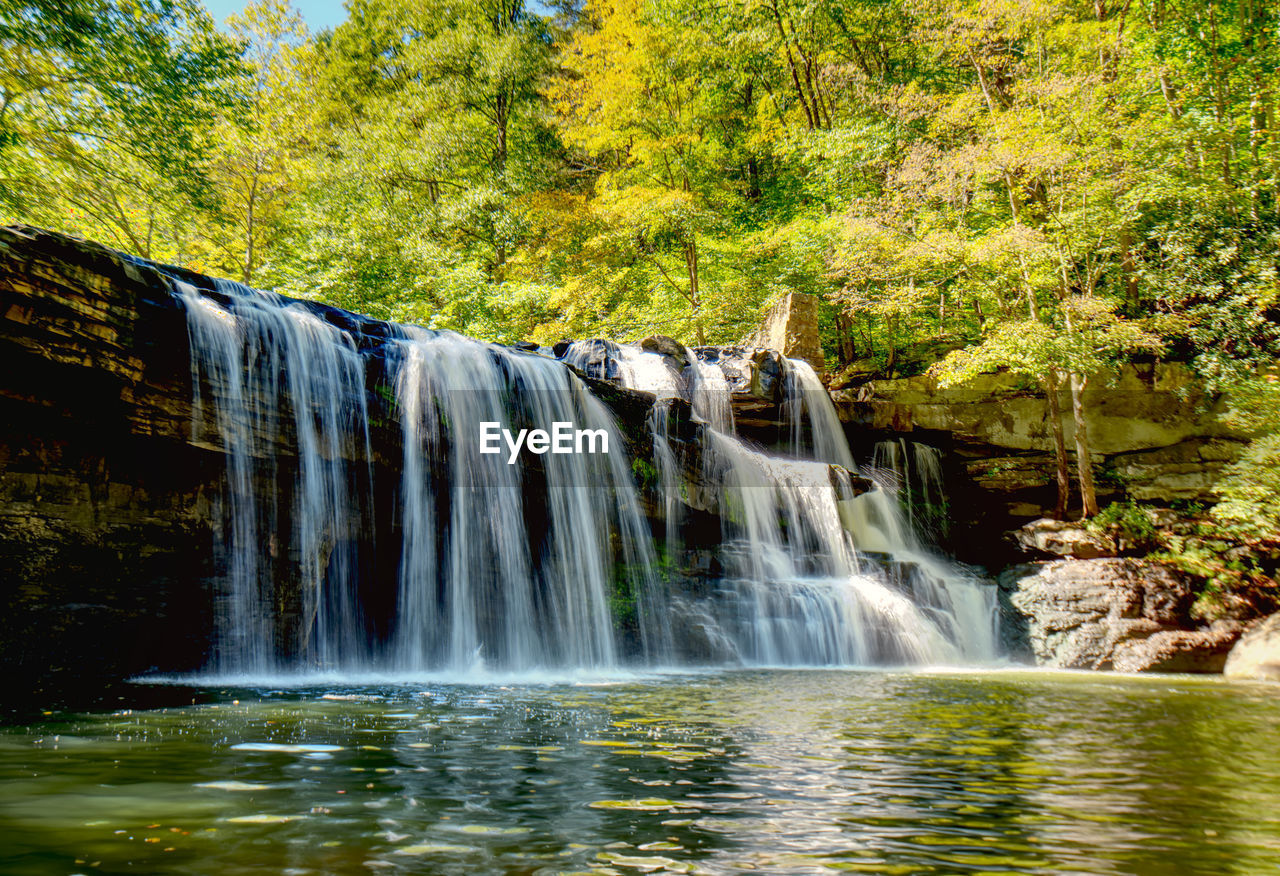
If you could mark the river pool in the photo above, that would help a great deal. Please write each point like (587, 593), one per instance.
(773, 771)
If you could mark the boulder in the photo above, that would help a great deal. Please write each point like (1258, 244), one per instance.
(593, 357)
(1200, 651)
(1078, 612)
(1061, 538)
(1257, 653)
(665, 346)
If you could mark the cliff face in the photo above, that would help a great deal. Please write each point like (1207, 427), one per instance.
(1154, 436)
(112, 488)
(104, 503)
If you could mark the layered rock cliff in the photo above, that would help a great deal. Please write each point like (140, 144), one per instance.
(110, 480)
(104, 500)
(1156, 437)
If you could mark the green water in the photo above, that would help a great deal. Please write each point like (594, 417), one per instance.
(778, 772)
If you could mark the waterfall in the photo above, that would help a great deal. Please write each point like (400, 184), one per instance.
(815, 572)
(914, 472)
(528, 559)
(810, 414)
(542, 562)
(502, 565)
(821, 575)
(710, 396)
(279, 375)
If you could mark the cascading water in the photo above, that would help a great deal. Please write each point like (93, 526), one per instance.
(798, 593)
(815, 572)
(483, 580)
(276, 373)
(710, 396)
(531, 562)
(502, 565)
(810, 414)
(914, 472)
(638, 369)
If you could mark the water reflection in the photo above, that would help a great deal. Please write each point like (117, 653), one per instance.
(774, 771)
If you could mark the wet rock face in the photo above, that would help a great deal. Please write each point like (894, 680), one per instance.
(596, 358)
(1125, 614)
(1257, 654)
(757, 380)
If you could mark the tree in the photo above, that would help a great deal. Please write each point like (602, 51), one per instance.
(257, 150)
(435, 130)
(104, 112)
(1250, 489)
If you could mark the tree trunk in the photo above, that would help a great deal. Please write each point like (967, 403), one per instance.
(695, 296)
(844, 339)
(1084, 460)
(501, 122)
(248, 233)
(1063, 471)
(791, 65)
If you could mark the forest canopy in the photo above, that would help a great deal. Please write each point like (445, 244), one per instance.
(1048, 187)
(942, 175)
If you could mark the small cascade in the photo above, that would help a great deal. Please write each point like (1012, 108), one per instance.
(649, 372)
(710, 396)
(816, 572)
(913, 471)
(669, 476)
(814, 427)
(823, 575)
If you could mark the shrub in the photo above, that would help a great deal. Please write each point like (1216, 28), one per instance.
(1126, 522)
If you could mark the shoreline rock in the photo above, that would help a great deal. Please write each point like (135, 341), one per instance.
(1061, 538)
(1113, 613)
(1257, 654)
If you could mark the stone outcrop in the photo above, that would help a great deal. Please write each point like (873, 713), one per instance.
(105, 535)
(1060, 538)
(791, 328)
(1257, 654)
(1154, 435)
(1125, 614)
(1196, 651)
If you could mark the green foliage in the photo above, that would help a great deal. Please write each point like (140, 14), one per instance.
(105, 112)
(645, 472)
(1250, 489)
(1044, 188)
(1127, 523)
(1231, 579)
(624, 608)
